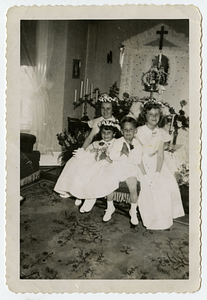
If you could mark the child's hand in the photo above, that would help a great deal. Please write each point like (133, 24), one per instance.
(77, 153)
(125, 150)
(108, 159)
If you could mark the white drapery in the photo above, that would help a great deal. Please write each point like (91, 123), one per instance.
(35, 106)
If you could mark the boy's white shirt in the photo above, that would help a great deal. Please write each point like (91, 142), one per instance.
(134, 155)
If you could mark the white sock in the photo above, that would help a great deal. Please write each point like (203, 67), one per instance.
(133, 207)
(110, 204)
(88, 204)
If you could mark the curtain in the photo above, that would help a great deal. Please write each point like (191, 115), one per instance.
(35, 104)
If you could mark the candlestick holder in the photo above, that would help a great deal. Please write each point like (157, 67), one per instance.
(85, 101)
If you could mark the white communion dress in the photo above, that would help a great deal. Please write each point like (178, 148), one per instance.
(79, 170)
(161, 203)
(107, 179)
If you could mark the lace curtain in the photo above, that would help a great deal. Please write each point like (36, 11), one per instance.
(35, 85)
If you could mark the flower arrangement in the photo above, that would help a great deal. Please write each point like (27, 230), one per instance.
(70, 143)
(154, 78)
(124, 105)
(177, 120)
(182, 175)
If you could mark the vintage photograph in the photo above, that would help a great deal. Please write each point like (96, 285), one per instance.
(104, 154)
(127, 183)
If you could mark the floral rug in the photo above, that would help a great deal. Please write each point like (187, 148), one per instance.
(58, 242)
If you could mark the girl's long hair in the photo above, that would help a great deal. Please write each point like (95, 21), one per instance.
(147, 107)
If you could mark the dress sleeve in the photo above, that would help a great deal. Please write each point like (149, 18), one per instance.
(91, 123)
(164, 135)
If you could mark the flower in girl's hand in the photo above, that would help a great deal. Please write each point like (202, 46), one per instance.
(102, 156)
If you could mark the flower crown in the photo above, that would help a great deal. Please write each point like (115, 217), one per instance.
(109, 123)
(106, 98)
(153, 101)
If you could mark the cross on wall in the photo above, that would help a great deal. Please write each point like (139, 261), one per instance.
(161, 32)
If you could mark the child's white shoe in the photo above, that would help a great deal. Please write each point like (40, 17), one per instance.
(109, 212)
(64, 195)
(87, 205)
(133, 215)
(78, 202)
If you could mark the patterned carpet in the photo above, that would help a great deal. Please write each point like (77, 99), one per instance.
(58, 242)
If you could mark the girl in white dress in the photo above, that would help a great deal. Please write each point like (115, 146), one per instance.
(76, 175)
(159, 199)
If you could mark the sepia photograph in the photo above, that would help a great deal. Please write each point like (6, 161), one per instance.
(105, 186)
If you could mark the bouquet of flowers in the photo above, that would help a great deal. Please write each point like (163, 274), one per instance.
(70, 143)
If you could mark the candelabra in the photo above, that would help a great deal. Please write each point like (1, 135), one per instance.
(85, 101)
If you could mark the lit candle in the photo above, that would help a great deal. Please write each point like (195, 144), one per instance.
(87, 86)
(81, 90)
(91, 90)
(75, 96)
(96, 95)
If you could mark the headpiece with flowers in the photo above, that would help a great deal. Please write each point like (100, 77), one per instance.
(152, 102)
(106, 98)
(109, 123)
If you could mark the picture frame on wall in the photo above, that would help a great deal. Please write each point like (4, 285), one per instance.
(76, 68)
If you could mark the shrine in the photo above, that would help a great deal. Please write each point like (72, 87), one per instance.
(156, 63)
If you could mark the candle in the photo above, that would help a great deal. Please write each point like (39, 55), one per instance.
(172, 121)
(81, 90)
(96, 95)
(91, 90)
(87, 86)
(75, 96)
(160, 58)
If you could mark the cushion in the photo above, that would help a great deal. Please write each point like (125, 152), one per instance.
(26, 142)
